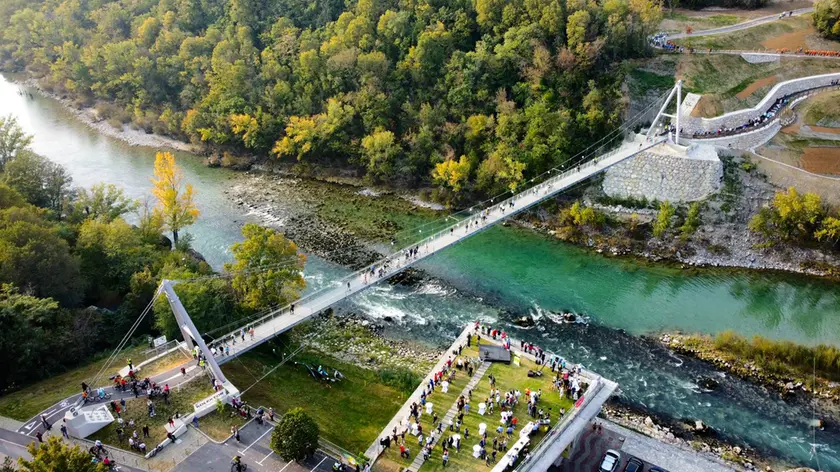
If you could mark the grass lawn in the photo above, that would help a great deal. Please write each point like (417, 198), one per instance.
(751, 38)
(350, 413)
(823, 110)
(169, 361)
(181, 400)
(33, 399)
(508, 377)
(217, 424)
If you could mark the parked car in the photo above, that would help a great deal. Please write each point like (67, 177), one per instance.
(610, 461)
(634, 465)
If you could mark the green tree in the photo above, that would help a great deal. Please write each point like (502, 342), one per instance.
(268, 269)
(103, 201)
(296, 436)
(41, 181)
(692, 221)
(663, 219)
(33, 256)
(790, 216)
(56, 456)
(12, 139)
(826, 18)
(211, 303)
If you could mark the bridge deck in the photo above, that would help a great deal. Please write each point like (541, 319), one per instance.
(285, 318)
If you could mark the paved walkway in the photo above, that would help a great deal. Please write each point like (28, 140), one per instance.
(453, 411)
(402, 415)
(739, 26)
(286, 318)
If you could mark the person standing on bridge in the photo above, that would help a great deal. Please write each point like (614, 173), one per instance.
(130, 365)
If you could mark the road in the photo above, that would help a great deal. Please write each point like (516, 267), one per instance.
(55, 413)
(739, 26)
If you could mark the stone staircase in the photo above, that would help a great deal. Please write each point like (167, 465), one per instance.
(452, 413)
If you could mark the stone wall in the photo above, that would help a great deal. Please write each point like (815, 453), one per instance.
(736, 118)
(744, 141)
(663, 174)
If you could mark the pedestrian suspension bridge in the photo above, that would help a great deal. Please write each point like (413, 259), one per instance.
(589, 163)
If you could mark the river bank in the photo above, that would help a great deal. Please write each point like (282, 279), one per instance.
(791, 383)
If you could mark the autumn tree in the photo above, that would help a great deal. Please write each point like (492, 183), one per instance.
(452, 174)
(826, 18)
(55, 455)
(12, 139)
(380, 149)
(175, 206)
(790, 216)
(268, 268)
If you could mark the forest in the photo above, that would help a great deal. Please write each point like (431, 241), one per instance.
(75, 273)
(470, 96)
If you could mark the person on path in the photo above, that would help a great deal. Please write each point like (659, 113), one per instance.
(130, 365)
(64, 431)
(195, 422)
(39, 436)
(271, 413)
(47, 425)
(122, 404)
(445, 457)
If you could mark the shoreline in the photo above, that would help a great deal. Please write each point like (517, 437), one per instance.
(742, 253)
(88, 117)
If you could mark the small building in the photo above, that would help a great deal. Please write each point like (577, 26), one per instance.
(493, 353)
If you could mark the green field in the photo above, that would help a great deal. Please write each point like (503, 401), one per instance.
(350, 413)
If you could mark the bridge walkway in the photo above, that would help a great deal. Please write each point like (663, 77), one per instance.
(286, 318)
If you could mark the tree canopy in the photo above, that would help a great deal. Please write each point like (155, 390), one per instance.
(55, 455)
(296, 436)
(827, 18)
(390, 89)
(176, 207)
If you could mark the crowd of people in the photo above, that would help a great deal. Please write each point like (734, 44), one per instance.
(449, 435)
(767, 116)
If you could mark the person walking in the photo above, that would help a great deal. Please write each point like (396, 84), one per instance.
(47, 425)
(122, 404)
(64, 431)
(145, 431)
(39, 436)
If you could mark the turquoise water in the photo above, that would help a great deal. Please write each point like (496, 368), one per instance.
(505, 273)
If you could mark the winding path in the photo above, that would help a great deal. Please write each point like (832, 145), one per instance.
(740, 26)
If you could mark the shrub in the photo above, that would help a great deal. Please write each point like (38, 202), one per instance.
(400, 378)
(296, 436)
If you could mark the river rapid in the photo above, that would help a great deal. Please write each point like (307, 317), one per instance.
(505, 273)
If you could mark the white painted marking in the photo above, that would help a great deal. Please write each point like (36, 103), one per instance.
(319, 464)
(258, 439)
(48, 413)
(284, 467)
(30, 425)
(266, 457)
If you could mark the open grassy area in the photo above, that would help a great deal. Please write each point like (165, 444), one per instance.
(33, 399)
(350, 413)
(823, 110)
(181, 400)
(508, 377)
(217, 424)
(643, 81)
(751, 38)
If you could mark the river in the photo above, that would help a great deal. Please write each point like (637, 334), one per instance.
(504, 273)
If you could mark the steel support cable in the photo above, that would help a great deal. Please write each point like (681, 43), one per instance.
(125, 338)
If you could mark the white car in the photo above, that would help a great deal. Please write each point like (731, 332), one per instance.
(610, 461)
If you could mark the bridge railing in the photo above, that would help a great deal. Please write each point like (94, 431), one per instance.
(396, 262)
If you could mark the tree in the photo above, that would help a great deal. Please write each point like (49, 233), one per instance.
(692, 221)
(829, 230)
(175, 207)
(451, 173)
(380, 149)
(41, 181)
(296, 436)
(12, 139)
(211, 303)
(790, 216)
(103, 201)
(56, 456)
(35, 258)
(827, 18)
(663, 219)
(268, 268)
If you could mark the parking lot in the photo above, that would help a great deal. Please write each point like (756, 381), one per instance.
(592, 445)
(256, 453)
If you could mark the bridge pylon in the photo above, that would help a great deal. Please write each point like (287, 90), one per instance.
(191, 334)
(677, 90)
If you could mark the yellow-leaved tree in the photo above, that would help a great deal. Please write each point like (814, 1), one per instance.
(175, 199)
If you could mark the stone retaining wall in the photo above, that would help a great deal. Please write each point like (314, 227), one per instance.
(744, 141)
(736, 118)
(664, 177)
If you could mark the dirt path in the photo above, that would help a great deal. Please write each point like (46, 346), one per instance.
(821, 160)
(744, 94)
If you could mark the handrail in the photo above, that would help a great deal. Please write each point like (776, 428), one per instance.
(397, 261)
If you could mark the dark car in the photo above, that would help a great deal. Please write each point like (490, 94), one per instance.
(634, 465)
